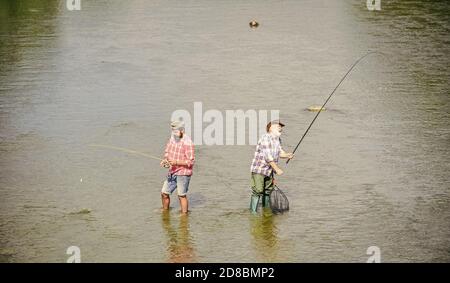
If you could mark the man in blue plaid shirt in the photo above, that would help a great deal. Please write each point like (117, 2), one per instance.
(268, 152)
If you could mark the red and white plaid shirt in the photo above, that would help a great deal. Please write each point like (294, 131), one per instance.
(182, 150)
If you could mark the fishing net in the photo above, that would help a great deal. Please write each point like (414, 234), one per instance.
(279, 203)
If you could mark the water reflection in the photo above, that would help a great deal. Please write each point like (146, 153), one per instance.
(25, 26)
(179, 241)
(264, 233)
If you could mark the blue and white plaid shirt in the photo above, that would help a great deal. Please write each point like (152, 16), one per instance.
(268, 149)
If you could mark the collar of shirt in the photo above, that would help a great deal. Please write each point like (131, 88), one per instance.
(275, 139)
(173, 140)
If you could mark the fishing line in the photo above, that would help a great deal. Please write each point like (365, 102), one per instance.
(127, 151)
(343, 78)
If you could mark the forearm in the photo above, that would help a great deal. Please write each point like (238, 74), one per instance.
(284, 155)
(274, 166)
(181, 162)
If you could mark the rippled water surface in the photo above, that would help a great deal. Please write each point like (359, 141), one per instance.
(373, 171)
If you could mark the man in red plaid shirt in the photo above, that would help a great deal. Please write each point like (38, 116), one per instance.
(179, 158)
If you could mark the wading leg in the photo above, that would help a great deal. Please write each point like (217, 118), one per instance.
(266, 199)
(254, 200)
(183, 204)
(165, 199)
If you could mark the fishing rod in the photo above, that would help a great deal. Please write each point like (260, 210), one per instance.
(126, 150)
(315, 117)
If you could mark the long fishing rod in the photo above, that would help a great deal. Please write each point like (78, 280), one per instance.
(315, 117)
(126, 150)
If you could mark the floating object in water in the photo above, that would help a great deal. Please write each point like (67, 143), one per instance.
(316, 108)
(81, 180)
(82, 211)
(253, 24)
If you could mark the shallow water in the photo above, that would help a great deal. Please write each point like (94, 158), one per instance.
(373, 170)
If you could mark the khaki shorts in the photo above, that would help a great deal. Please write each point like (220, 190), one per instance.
(260, 183)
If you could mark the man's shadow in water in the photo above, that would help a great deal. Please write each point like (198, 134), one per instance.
(179, 240)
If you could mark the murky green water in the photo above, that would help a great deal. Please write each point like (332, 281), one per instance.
(372, 172)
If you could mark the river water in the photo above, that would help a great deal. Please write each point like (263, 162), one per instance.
(373, 170)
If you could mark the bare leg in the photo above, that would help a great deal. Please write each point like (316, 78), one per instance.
(183, 203)
(165, 199)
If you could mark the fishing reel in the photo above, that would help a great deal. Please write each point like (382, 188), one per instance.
(166, 164)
